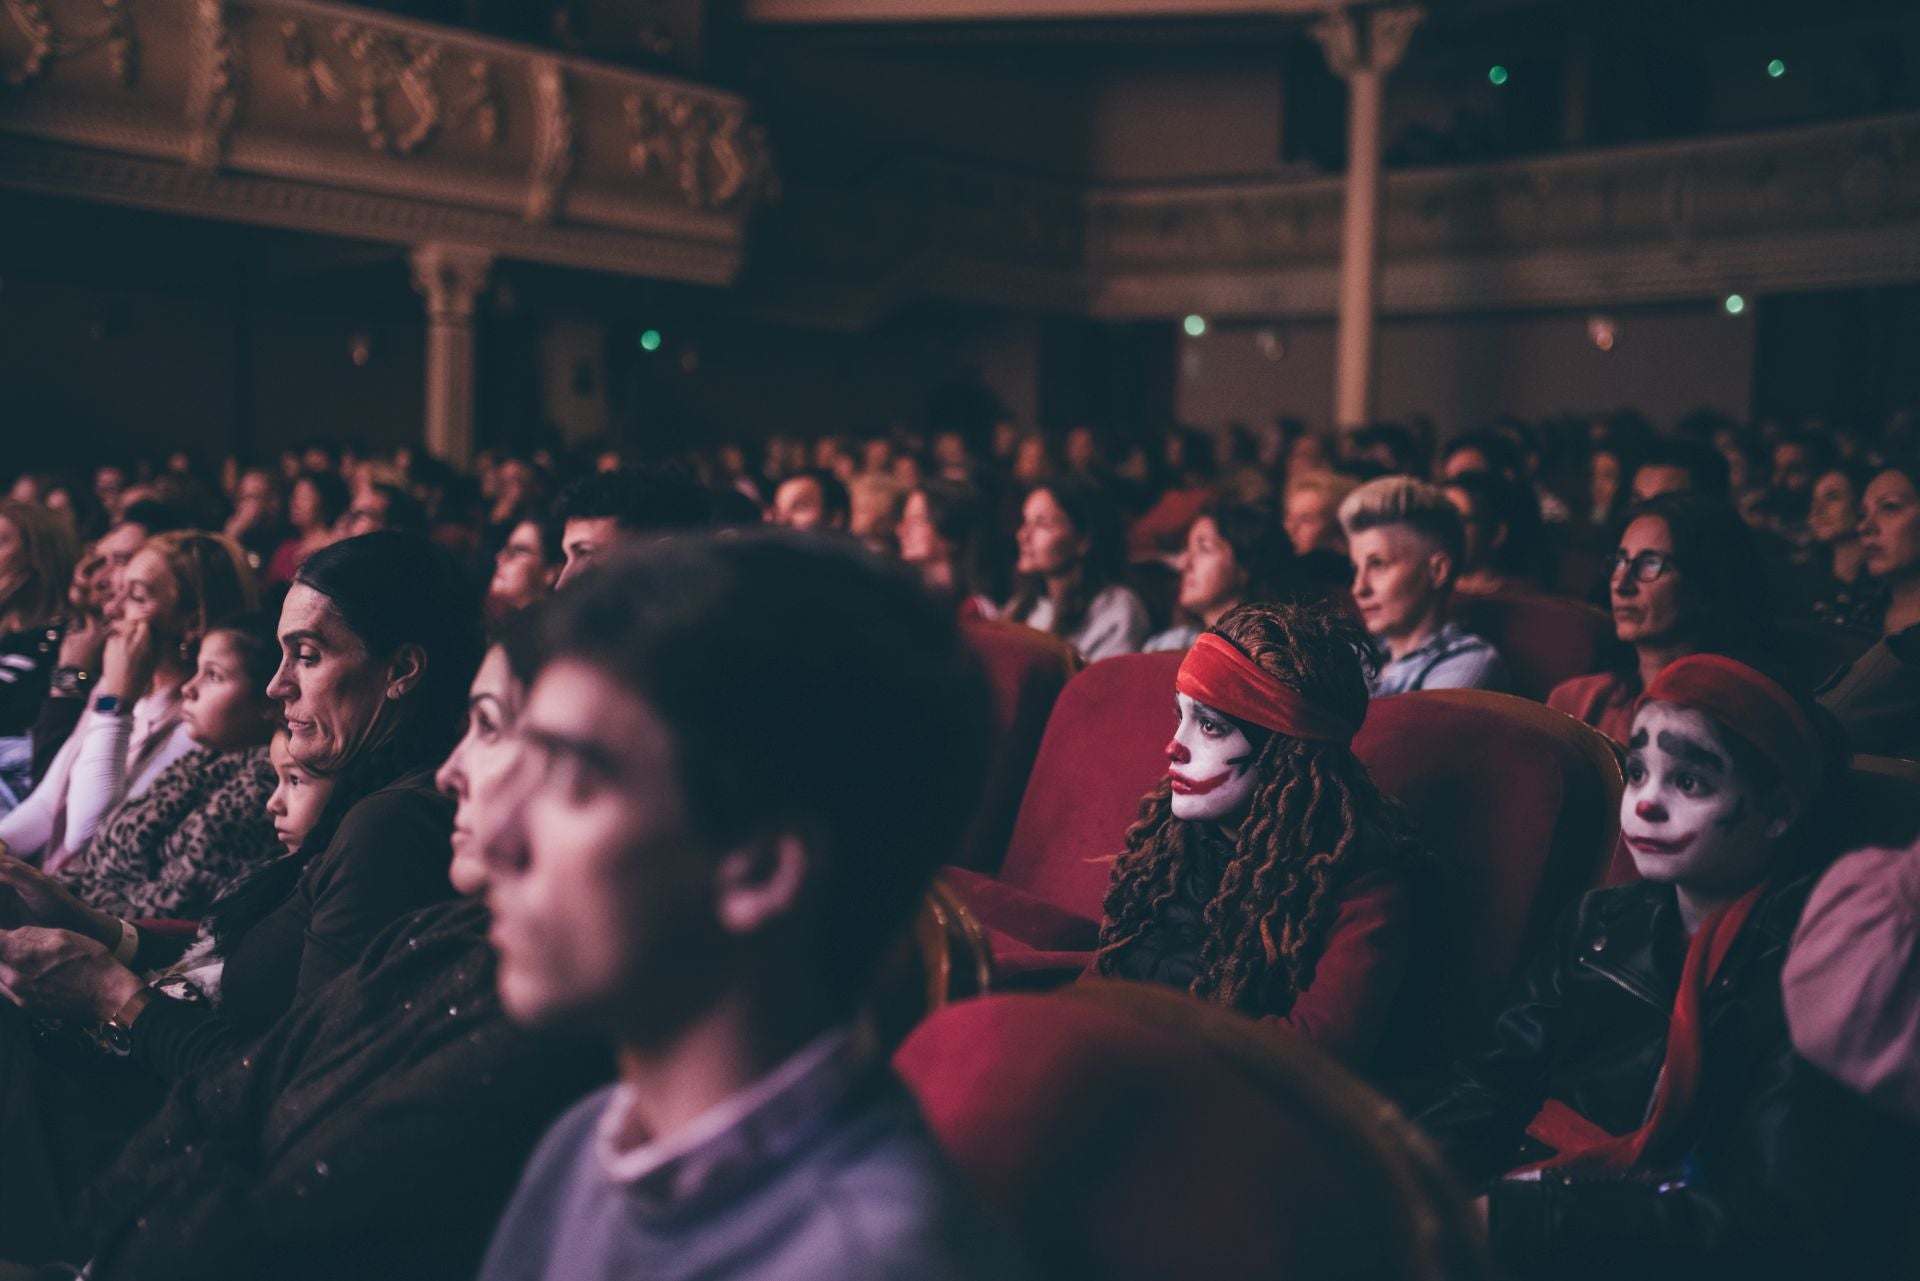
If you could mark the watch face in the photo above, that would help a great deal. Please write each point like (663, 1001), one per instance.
(118, 1039)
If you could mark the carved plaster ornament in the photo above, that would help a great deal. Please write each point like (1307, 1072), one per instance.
(213, 89)
(47, 45)
(553, 137)
(391, 65)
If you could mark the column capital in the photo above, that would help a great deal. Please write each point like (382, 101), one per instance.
(450, 278)
(1367, 39)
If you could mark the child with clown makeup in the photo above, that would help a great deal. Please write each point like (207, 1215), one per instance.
(1267, 872)
(1642, 1111)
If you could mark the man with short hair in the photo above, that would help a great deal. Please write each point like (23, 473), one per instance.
(736, 773)
(1406, 542)
(1674, 465)
(811, 500)
(598, 513)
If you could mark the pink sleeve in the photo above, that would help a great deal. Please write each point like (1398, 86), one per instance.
(1852, 979)
(1346, 1008)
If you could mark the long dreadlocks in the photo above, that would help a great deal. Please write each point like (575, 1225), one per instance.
(1317, 821)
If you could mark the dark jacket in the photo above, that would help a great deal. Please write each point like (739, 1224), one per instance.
(376, 1131)
(1773, 1152)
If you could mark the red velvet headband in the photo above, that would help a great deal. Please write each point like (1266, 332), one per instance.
(1751, 706)
(1217, 674)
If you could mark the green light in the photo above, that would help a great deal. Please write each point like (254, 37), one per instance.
(650, 340)
(1497, 74)
(1194, 325)
(1735, 304)
(1776, 68)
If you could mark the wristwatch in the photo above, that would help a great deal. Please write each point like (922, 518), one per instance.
(118, 1030)
(108, 704)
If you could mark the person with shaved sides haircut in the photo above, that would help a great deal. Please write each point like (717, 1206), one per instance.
(1642, 1111)
(733, 779)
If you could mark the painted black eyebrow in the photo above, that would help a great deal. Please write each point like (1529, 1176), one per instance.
(1638, 742)
(1687, 750)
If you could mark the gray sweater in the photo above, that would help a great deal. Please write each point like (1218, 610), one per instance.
(837, 1180)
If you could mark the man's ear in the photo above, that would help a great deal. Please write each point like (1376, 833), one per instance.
(406, 670)
(1440, 570)
(1785, 812)
(759, 881)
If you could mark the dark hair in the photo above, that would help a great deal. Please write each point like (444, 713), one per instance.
(329, 490)
(393, 589)
(552, 533)
(154, 516)
(1260, 546)
(635, 499)
(1397, 440)
(959, 516)
(1317, 821)
(753, 648)
(1719, 563)
(519, 637)
(1820, 451)
(405, 513)
(834, 499)
(1501, 452)
(256, 641)
(1706, 466)
(1500, 501)
(1090, 507)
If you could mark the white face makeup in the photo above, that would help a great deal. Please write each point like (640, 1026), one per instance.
(1210, 763)
(1688, 815)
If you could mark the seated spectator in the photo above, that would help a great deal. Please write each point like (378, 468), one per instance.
(299, 796)
(37, 556)
(1500, 522)
(172, 590)
(1235, 554)
(315, 504)
(526, 568)
(360, 1106)
(378, 505)
(1187, 457)
(1677, 465)
(598, 513)
(1684, 580)
(714, 904)
(1406, 542)
(1844, 593)
(1267, 872)
(1610, 468)
(257, 522)
(1642, 1112)
(1312, 518)
(1482, 451)
(812, 500)
(1068, 572)
(379, 636)
(940, 533)
(1798, 460)
(1389, 446)
(1877, 697)
(203, 824)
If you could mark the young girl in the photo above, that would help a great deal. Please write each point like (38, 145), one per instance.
(1268, 872)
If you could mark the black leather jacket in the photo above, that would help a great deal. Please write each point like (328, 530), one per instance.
(1773, 1154)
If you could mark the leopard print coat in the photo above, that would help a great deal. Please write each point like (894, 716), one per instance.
(173, 849)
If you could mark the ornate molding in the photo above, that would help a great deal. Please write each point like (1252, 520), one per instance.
(313, 111)
(450, 278)
(1378, 47)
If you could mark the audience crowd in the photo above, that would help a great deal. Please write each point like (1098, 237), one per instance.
(416, 872)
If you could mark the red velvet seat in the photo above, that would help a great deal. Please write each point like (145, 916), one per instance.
(1026, 670)
(1520, 807)
(1101, 752)
(1545, 639)
(1131, 1132)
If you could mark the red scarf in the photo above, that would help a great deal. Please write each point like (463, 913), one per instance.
(1578, 1142)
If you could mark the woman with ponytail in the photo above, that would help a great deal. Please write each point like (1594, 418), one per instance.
(1267, 872)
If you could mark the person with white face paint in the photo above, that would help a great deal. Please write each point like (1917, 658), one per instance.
(1268, 872)
(1643, 1110)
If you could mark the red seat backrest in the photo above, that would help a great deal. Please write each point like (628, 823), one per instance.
(1101, 752)
(1519, 806)
(1135, 1132)
(1545, 639)
(1026, 670)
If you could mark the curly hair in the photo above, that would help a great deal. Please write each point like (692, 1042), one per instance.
(1317, 822)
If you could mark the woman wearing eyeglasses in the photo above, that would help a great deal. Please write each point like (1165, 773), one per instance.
(1685, 579)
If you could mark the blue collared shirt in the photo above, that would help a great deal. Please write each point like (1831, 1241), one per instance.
(1451, 658)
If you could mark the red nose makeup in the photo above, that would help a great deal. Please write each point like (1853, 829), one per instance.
(1178, 754)
(1649, 811)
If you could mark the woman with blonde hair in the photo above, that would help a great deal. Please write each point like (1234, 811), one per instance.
(37, 556)
(173, 590)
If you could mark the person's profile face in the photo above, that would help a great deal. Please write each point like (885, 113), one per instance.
(330, 689)
(1656, 479)
(1313, 523)
(1647, 612)
(603, 900)
(1792, 469)
(1049, 543)
(521, 575)
(298, 799)
(584, 542)
(222, 708)
(1210, 577)
(1834, 516)
(1210, 762)
(473, 773)
(1890, 529)
(1396, 581)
